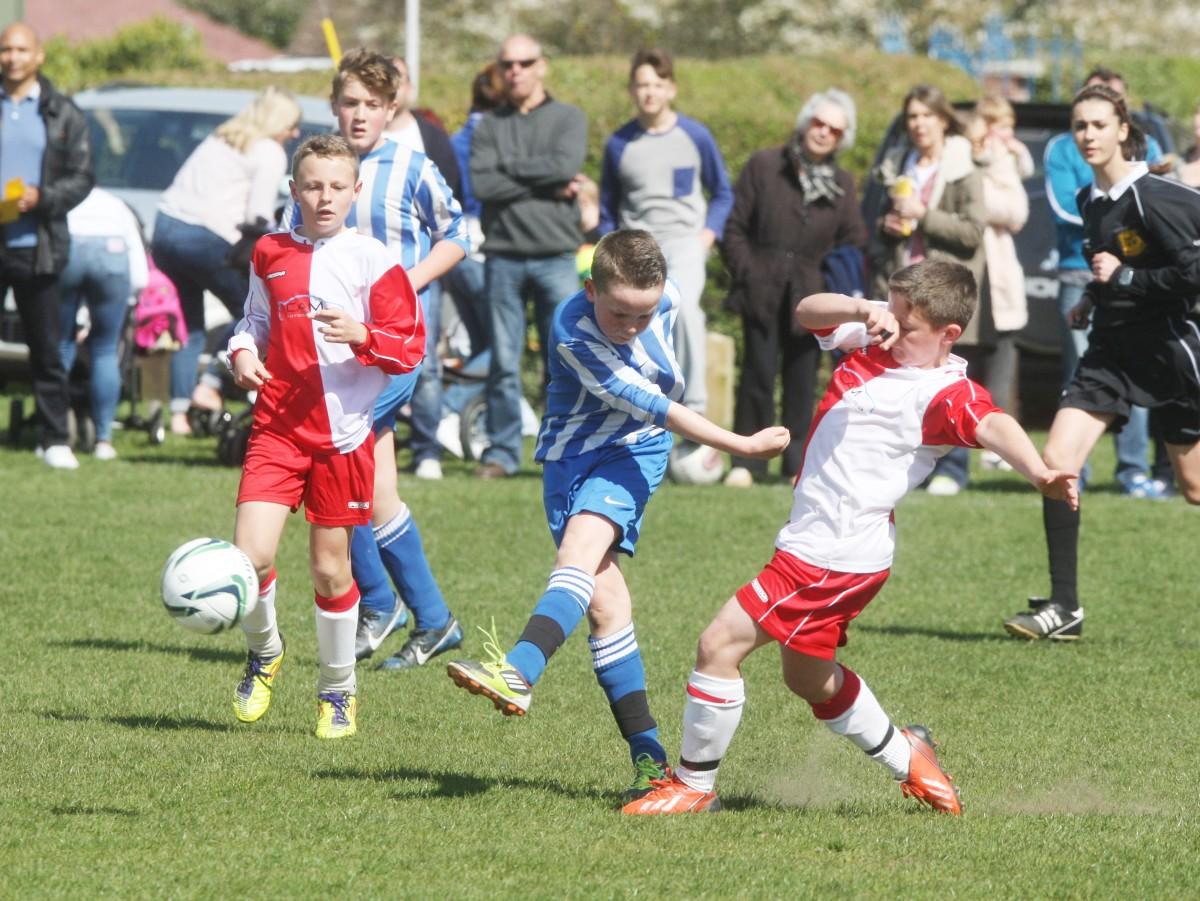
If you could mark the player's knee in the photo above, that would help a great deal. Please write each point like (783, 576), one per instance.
(329, 574)
(1190, 492)
(714, 646)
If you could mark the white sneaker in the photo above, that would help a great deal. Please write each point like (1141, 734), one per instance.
(104, 451)
(449, 434)
(943, 486)
(739, 477)
(429, 468)
(992, 460)
(60, 456)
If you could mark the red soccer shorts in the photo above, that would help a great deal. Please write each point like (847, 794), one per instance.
(804, 607)
(336, 489)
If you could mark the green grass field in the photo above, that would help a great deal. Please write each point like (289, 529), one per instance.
(125, 774)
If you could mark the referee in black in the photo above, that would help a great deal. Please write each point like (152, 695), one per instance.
(1142, 239)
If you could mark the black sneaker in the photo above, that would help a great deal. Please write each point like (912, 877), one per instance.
(374, 627)
(424, 644)
(1046, 619)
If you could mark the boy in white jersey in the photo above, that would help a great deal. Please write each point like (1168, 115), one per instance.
(612, 403)
(899, 400)
(334, 317)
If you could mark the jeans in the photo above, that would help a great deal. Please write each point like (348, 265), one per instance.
(427, 395)
(37, 298)
(97, 275)
(193, 258)
(466, 282)
(550, 280)
(1133, 441)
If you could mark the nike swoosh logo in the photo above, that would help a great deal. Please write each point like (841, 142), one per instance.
(375, 643)
(615, 503)
(423, 656)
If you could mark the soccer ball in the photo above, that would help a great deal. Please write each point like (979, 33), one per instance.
(208, 585)
(694, 464)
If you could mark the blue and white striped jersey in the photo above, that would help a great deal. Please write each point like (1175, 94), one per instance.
(605, 393)
(405, 203)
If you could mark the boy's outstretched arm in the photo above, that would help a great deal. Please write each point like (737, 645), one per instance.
(1001, 433)
(763, 445)
(819, 312)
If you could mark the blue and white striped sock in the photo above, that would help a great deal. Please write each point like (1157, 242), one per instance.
(403, 556)
(617, 663)
(555, 616)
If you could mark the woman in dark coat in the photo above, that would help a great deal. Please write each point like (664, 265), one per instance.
(792, 206)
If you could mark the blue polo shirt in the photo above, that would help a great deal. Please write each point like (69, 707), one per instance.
(22, 148)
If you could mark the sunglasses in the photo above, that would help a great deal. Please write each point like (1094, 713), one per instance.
(507, 64)
(821, 123)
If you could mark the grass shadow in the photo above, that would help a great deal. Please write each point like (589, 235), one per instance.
(449, 784)
(161, 722)
(205, 655)
(910, 631)
(87, 810)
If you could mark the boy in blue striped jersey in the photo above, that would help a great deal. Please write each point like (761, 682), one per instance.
(405, 203)
(612, 403)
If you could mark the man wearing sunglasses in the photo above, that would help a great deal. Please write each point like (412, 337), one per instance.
(524, 161)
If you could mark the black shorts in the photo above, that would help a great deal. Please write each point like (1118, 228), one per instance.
(1155, 365)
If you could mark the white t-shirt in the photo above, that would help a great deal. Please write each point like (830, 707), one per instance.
(409, 136)
(104, 215)
(877, 434)
(219, 188)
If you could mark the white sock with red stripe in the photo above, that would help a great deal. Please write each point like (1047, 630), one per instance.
(260, 626)
(337, 623)
(854, 713)
(710, 717)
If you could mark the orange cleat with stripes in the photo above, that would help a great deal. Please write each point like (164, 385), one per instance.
(927, 781)
(673, 796)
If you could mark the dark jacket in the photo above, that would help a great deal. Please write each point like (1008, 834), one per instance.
(774, 242)
(66, 177)
(519, 162)
(438, 148)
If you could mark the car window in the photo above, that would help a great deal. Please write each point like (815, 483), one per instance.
(144, 149)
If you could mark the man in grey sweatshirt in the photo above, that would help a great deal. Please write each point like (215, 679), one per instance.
(525, 159)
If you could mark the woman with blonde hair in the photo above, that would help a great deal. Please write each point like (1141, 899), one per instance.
(231, 179)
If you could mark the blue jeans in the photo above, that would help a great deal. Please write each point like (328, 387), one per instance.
(467, 283)
(1132, 443)
(427, 395)
(549, 280)
(193, 258)
(97, 275)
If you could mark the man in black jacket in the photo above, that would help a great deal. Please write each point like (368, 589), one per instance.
(43, 152)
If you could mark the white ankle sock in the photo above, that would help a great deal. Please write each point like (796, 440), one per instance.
(865, 724)
(335, 649)
(260, 626)
(710, 717)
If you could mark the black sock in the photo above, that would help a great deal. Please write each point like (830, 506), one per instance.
(1062, 542)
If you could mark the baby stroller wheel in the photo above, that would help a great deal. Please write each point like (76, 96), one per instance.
(473, 428)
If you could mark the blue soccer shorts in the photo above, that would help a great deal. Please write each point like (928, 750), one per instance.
(398, 392)
(613, 481)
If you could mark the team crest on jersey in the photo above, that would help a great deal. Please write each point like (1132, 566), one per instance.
(1132, 244)
(859, 399)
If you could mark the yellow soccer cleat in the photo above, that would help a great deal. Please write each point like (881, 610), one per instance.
(252, 696)
(337, 714)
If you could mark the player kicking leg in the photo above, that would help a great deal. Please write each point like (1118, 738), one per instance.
(813, 618)
(586, 579)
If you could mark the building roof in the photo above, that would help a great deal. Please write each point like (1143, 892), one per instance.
(89, 20)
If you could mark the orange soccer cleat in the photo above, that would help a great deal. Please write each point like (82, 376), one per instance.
(927, 781)
(673, 796)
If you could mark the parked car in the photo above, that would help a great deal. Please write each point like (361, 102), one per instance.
(1036, 124)
(140, 138)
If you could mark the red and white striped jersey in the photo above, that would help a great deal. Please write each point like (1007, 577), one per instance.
(876, 435)
(321, 393)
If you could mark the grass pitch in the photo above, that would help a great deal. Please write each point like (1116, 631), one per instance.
(125, 774)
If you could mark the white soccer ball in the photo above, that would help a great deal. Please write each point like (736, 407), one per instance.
(208, 585)
(696, 465)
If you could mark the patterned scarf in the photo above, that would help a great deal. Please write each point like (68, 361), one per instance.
(818, 181)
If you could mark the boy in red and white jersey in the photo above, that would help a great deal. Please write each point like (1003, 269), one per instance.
(899, 400)
(333, 316)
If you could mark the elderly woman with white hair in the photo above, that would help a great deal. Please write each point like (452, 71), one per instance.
(792, 205)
